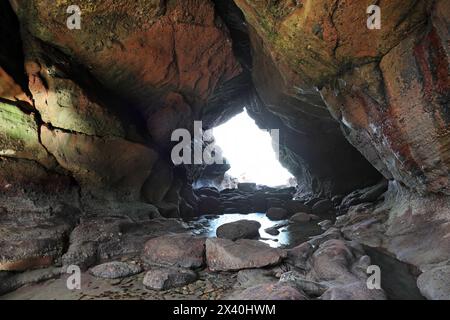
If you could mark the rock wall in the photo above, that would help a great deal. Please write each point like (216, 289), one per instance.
(388, 88)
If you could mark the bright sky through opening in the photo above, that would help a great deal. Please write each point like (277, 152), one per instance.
(249, 151)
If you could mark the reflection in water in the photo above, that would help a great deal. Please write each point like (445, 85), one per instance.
(289, 236)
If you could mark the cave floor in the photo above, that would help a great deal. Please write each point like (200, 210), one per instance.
(209, 286)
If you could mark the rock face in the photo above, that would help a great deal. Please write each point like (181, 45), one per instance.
(241, 229)
(224, 254)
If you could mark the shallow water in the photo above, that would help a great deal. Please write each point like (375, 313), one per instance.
(289, 236)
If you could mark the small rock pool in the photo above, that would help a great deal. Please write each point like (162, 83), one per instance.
(291, 234)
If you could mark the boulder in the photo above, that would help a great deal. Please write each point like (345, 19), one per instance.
(434, 284)
(247, 186)
(300, 217)
(209, 205)
(252, 277)
(179, 250)
(272, 231)
(241, 229)
(226, 255)
(271, 291)
(325, 224)
(299, 255)
(275, 213)
(208, 191)
(167, 278)
(293, 206)
(115, 269)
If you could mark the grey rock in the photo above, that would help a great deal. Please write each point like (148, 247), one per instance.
(247, 186)
(325, 224)
(226, 255)
(353, 291)
(241, 229)
(275, 213)
(272, 291)
(434, 284)
(310, 287)
(115, 269)
(322, 207)
(167, 278)
(272, 231)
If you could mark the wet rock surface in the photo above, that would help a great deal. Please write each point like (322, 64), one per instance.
(241, 229)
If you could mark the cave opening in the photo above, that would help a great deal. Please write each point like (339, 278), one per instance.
(251, 152)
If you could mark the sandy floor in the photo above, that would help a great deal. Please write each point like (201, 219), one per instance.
(209, 286)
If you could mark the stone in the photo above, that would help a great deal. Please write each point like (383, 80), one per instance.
(252, 277)
(179, 250)
(19, 136)
(331, 261)
(247, 186)
(115, 269)
(272, 231)
(168, 278)
(300, 217)
(329, 234)
(325, 224)
(95, 164)
(13, 281)
(276, 291)
(33, 236)
(120, 231)
(322, 207)
(434, 284)
(293, 206)
(241, 229)
(226, 255)
(63, 103)
(274, 202)
(299, 255)
(353, 291)
(277, 213)
(311, 288)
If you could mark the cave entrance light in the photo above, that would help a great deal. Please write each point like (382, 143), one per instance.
(249, 151)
